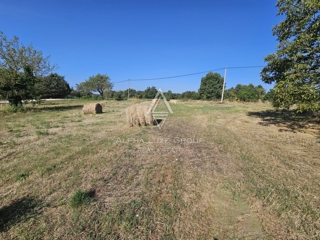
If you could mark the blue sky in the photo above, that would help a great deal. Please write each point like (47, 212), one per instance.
(143, 39)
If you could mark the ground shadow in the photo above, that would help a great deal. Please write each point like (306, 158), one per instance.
(290, 120)
(19, 211)
(157, 121)
(59, 108)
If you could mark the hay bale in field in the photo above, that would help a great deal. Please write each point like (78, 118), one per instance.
(148, 116)
(92, 108)
(172, 101)
(132, 117)
(139, 116)
(154, 102)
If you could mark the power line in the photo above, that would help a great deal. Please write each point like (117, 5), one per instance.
(246, 67)
(121, 81)
(177, 76)
(185, 75)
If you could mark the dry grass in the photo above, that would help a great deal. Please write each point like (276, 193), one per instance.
(252, 176)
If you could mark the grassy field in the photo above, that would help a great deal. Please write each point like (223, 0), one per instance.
(214, 171)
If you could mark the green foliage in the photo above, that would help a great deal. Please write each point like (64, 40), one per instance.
(22, 176)
(294, 67)
(249, 93)
(52, 86)
(245, 93)
(150, 92)
(132, 92)
(19, 67)
(139, 94)
(118, 96)
(74, 93)
(168, 95)
(211, 86)
(230, 94)
(42, 133)
(190, 95)
(99, 83)
(269, 96)
(176, 96)
(80, 198)
(16, 87)
(15, 109)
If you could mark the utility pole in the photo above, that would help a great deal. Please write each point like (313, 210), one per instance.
(224, 82)
(128, 89)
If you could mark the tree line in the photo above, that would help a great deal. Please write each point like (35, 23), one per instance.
(210, 89)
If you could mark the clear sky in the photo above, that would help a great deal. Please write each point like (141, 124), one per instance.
(143, 39)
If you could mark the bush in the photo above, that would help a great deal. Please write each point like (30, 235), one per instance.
(118, 96)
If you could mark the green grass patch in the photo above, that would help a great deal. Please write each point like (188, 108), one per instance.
(21, 176)
(42, 133)
(80, 198)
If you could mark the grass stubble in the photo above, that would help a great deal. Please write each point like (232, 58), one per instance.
(248, 178)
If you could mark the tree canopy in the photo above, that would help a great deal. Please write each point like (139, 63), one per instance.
(211, 86)
(16, 87)
(246, 93)
(19, 67)
(150, 92)
(294, 67)
(52, 86)
(99, 83)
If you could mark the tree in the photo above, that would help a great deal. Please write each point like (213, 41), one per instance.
(294, 67)
(17, 87)
(74, 93)
(230, 94)
(52, 86)
(150, 92)
(211, 86)
(176, 95)
(119, 95)
(260, 92)
(195, 96)
(139, 94)
(269, 96)
(19, 67)
(245, 93)
(190, 95)
(168, 95)
(99, 83)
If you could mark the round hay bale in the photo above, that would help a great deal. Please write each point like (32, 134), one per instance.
(148, 115)
(139, 116)
(154, 102)
(92, 108)
(130, 115)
